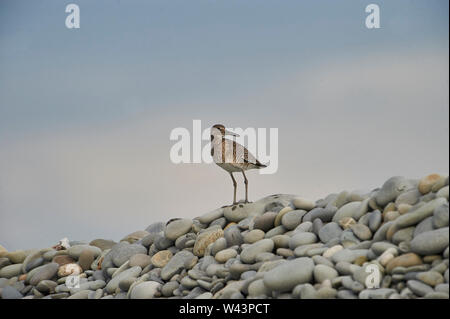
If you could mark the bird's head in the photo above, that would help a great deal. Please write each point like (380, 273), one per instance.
(219, 129)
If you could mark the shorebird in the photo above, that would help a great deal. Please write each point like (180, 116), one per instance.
(232, 156)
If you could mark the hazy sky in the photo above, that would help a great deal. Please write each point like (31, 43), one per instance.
(86, 114)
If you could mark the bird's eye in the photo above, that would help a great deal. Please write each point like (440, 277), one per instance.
(212, 137)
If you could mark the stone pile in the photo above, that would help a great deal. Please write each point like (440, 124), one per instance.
(392, 242)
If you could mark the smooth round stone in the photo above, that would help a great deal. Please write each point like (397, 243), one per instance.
(83, 294)
(324, 272)
(46, 286)
(418, 288)
(406, 260)
(426, 183)
(302, 203)
(205, 238)
(103, 244)
(161, 242)
(443, 192)
(32, 260)
(300, 239)
(441, 216)
(332, 250)
(45, 272)
(11, 271)
(63, 260)
(380, 247)
(10, 292)
(211, 216)
(69, 269)
(75, 251)
(393, 187)
(361, 231)
(4, 262)
(218, 245)
(380, 234)
(442, 288)
(249, 253)
(348, 210)
(178, 228)
(304, 227)
(320, 260)
(224, 255)
(289, 274)
(349, 255)
(281, 241)
(405, 234)
(233, 236)
(181, 260)
(404, 208)
(253, 236)
(431, 242)
(410, 197)
(113, 284)
(419, 214)
(324, 214)
(280, 215)
(265, 222)
(346, 222)
(86, 258)
(258, 289)
(292, 219)
(431, 278)
(155, 228)
(161, 258)
(424, 226)
(135, 236)
(222, 222)
(123, 251)
(141, 260)
(285, 252)
(279, 230)
(380, 293)
(145, 290)
(317, 225)
(17, 257)
(329, 232)
(168, 288)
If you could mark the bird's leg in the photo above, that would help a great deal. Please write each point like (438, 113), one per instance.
(246, 187)
(235, 187)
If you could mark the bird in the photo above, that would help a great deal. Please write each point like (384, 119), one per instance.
(232, 156)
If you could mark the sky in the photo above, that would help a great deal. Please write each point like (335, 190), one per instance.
(86, 114)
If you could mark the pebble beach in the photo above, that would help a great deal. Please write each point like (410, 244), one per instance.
(389, 243)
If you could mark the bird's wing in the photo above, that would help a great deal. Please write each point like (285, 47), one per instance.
(236, 153)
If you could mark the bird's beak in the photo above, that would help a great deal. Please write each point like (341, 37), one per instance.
(231, 133)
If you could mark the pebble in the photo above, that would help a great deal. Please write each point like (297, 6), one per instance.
(324, 272)
(302, 238)
(123, 251)
(441, 216)
(75, 251)
(403, 235)
(281, 213)
(249, 253)
(431, 242)
(346, 222)
(265, 222)
(329, 232)
(419, 288)
(11, 271)
(302, 203)
(224, 255)
(10, 292)
(17, 257)
(427, 183)
(69, 269)
(443, 192)
(233, 236)
(141, 260)
(181, 260)
(135, 236)
(349, 255)
(348, 210)
(361, 231)
(431, 278)
(103, 244)
(406, 260)
(86, 258)
(392, 188)
(161, 258)
(218, 245)
(292, 219)
(332, 250)
(63, 260)
(289, 274)
(254, 236)
(177, 228)
(113, 284)
(211, 216)
(205, 238)
(145, 290)
(45, 272)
